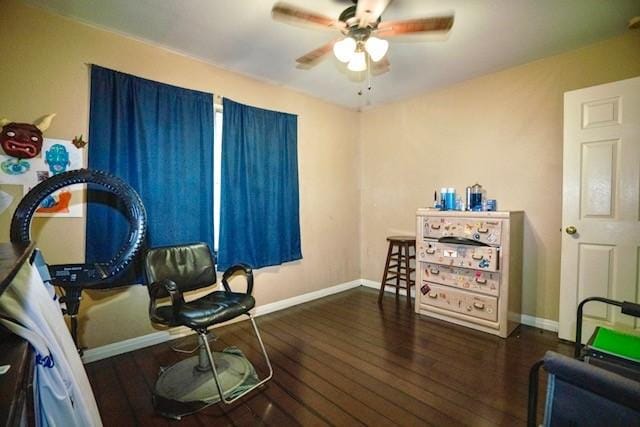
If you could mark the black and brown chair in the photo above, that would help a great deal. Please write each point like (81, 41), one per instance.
(209, 377)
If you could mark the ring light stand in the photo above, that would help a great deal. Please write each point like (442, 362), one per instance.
(73, 278)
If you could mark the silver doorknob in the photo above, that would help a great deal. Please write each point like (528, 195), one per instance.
(571, 230)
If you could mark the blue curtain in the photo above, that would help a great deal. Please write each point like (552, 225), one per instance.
(158, 138)
(259, 207)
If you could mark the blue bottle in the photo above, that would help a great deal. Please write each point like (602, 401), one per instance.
(450, 199)
(443, 199)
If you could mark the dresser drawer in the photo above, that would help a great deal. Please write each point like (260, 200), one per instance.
(468, 303)
(485, 231)
(485, 282)
(466, 256)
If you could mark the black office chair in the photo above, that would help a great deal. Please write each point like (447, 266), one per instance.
(187, 386)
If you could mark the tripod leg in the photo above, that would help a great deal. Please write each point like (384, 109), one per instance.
(72, 299)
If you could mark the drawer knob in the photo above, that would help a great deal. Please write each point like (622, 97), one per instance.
(435, 226)
(481, 281)
(483, 230)
(434, 271)
(433, 295)
(431, 251)
(477, 257)
(479, 305)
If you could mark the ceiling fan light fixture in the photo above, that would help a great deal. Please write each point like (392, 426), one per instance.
(377, 48)
(344, 49)
(358, 62)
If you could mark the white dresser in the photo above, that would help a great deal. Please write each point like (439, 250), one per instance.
(469, 268)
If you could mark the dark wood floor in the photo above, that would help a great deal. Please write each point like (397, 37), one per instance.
(344, 361)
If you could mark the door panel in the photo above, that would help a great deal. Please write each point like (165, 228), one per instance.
(601, 113)
(599, 177)
(601, 199)
(595, 277)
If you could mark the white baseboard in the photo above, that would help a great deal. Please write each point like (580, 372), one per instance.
(539, 322)
(131, 344)
(290, 302)
(376, 285)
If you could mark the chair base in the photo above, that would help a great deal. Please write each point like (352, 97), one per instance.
(211, 377)
(186, 387)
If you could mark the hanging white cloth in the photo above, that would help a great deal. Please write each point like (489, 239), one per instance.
(62, 393)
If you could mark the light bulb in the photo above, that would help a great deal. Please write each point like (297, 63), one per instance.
(344, 49)
(377, 48)
(357, 62)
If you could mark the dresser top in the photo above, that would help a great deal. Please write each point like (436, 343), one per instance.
(467, 214)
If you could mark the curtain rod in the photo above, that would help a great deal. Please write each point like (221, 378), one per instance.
(217, 99)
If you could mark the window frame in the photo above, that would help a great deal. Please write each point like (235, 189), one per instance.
(217, 164)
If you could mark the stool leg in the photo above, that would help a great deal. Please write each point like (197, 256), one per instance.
(398, 270)
(407, 272)
(384, 276)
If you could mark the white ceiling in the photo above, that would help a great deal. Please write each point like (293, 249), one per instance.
(239, 35)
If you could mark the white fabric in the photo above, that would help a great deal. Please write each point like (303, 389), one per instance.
(62, 393)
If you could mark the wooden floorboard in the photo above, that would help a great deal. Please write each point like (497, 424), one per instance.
(344, 360)
(397, 359)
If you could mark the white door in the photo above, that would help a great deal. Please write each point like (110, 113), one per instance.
(601, 186)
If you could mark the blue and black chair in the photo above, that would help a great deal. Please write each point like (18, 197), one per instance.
(598, 387)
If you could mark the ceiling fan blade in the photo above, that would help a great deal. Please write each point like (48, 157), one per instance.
(437, 24)
(312, 58)
(380, 67)
(294, 15)
(368, 11)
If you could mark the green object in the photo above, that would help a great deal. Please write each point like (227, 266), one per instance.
(617, 343)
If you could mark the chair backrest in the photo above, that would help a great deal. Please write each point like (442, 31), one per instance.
(189, 266)
(585, 395)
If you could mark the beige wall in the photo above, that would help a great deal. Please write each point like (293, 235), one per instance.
(503, 130)
(42, 70)
(357, 185)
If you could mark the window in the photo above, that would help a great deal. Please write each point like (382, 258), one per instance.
(217, 162)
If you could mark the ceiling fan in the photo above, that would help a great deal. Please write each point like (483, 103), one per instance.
(361, 27)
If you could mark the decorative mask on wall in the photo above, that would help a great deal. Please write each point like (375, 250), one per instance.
(23, 140)
(57, 157)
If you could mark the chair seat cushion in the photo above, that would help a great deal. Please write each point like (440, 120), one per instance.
(216, 307)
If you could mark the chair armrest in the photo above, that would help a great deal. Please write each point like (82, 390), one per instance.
(532, 407)
(579, 314)
(245, 269)
(170, 287)
(631, 308)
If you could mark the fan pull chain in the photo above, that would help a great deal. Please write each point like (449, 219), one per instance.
(368, 76)
(368, 72)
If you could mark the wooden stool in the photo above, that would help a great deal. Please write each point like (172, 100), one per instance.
(401, 270)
